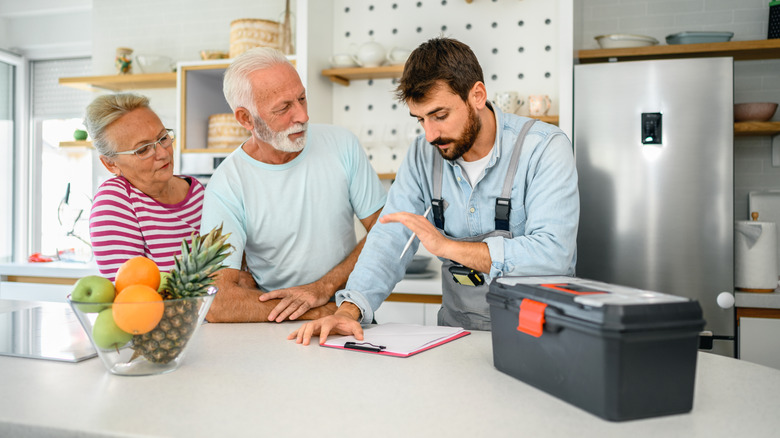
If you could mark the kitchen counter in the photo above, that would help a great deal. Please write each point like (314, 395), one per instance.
(66, 273)
(248, 380)
(74, 270)
(756, 300)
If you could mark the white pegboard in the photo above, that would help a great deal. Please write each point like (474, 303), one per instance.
(514, 40)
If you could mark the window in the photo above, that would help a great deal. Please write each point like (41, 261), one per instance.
(10, 66)
(63, 174)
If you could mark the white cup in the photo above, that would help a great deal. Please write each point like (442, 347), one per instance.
(539, 104)
(508, 101)
(398, 55)
(340, 60)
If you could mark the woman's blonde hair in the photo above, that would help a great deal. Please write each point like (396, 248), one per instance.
(105, 110)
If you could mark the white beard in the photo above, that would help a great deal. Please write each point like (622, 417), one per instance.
(280, 140)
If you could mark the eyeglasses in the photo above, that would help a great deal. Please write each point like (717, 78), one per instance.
(147, 150)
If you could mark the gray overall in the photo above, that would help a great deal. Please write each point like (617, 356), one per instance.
(466, 306)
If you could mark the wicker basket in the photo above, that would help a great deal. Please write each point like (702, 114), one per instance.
(248, 33)
(225, 132)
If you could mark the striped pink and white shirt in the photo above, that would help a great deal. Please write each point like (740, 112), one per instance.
(125, 222)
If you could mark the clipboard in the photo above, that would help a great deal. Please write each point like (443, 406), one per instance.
(398, 340)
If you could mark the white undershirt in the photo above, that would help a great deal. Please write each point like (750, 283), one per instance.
(472, 170)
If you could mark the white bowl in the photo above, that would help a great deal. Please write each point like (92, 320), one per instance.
(154, 63)
(619, 40)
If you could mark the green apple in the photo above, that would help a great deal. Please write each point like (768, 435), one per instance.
(93, 289)
(164, 276)
(106, 334)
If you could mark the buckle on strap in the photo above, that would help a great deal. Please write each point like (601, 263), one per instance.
(438, 213)
(503, 207)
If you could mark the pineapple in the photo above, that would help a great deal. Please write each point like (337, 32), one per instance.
(191, 277)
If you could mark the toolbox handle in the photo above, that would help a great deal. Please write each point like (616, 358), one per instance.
(531, 317)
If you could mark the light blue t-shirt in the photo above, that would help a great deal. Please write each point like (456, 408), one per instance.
(295, 220)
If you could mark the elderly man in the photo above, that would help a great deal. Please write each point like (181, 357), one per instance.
(288, 196)
(502, 191)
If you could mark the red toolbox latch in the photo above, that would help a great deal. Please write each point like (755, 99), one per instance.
(531, 317)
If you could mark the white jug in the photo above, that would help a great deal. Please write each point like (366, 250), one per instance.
(369, 54)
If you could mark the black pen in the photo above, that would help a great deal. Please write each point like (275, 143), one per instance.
(364, 346)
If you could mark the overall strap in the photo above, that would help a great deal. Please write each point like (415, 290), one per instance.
(437, 203)
(504, 202)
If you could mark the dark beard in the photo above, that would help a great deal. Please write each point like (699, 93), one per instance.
(464, 143)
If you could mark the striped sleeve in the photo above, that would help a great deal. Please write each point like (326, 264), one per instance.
(114, 228)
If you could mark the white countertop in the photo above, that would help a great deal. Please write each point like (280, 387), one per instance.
(248, 380)
(49, 269)
(769, 300)
(425, 286)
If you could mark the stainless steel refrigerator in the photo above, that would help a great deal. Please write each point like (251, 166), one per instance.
(654, 142)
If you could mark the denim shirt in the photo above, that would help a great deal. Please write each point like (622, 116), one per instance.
(543, 220)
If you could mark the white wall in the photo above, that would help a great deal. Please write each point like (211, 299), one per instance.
(516, 43)
(177, 29)
(46, 28)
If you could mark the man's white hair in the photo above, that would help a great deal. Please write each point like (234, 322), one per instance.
(236, 86)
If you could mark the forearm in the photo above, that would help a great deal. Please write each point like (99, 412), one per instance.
(237, 300)
(474, 255)
(240, 304)
(349, 310)
(336, 278)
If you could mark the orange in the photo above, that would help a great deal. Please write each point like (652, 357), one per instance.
(138, 309)
(137, 270)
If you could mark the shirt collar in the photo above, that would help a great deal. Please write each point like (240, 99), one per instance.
(499, 123)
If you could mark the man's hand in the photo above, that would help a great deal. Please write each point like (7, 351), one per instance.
(295, 301)
(475, 255)
(343, 322)
(429, 236)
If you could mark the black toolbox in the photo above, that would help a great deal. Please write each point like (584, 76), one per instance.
(617, 352)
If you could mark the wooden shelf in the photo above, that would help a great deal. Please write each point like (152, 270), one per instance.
(76, 144)
(553, 120)
(344, 75)
(390, 176)
(121, 82)
(207, 151)
(739, 50)
(745, 129)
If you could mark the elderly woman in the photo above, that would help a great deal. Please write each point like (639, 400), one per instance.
(144, 210)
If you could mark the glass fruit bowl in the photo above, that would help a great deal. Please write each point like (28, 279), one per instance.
(154, 337)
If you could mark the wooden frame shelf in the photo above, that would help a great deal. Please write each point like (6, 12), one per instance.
(121, 82)
(207, 151)
(744, 129)
(342, 76)
(76, 144)
(739, 50)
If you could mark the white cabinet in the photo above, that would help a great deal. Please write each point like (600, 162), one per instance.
(758, 329)
(408, 313)
(759, 341)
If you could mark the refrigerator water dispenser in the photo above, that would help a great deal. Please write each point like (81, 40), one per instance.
(651, 128)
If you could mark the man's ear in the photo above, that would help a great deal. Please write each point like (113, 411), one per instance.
(110, 165)
(478, 95)
(244, 118)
